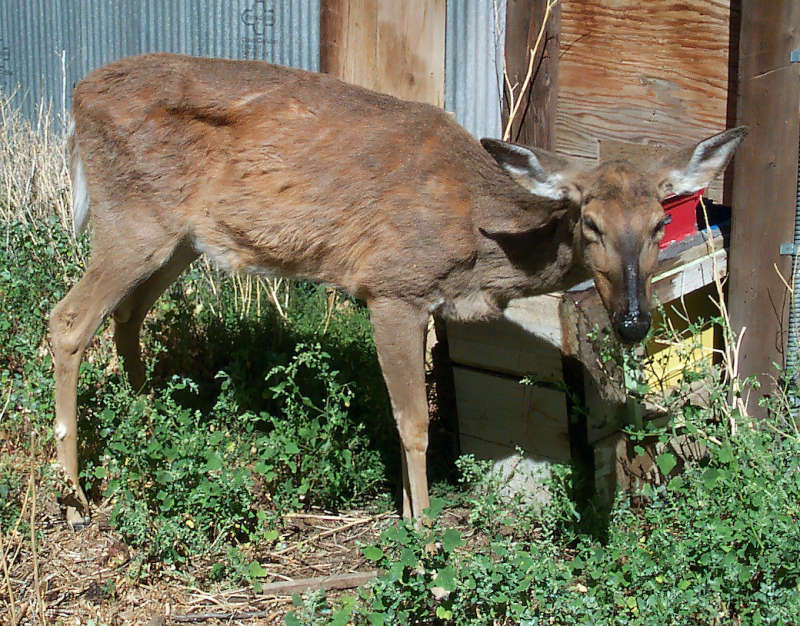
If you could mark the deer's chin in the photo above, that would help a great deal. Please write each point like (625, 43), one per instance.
(631, 328)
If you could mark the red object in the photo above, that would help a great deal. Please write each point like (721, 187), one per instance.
(682, 218)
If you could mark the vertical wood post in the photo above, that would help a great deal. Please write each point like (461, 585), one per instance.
(393, 47)
(765, 184)
(535, 124)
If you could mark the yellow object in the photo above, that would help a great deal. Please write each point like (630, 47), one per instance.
(671, 353)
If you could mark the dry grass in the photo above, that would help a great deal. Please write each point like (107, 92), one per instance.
(34, 179)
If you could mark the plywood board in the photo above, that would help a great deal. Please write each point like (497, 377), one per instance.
(531, 344)
(500, 410)
(641, 72)
(646, 155)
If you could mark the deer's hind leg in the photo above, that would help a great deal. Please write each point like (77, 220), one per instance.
(130, 313)
(114, 271)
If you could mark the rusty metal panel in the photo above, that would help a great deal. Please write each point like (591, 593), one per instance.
(474, 46)
(46, 46)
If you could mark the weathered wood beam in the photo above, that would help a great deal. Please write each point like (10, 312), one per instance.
(765, 184)
(393, 47)
(535, 124)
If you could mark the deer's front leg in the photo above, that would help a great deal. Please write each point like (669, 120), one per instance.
(399, 338)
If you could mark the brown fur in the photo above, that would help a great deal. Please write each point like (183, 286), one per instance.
(268, 169)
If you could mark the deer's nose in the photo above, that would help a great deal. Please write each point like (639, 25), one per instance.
(631, 327)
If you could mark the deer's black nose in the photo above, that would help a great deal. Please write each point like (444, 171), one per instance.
(631, 327)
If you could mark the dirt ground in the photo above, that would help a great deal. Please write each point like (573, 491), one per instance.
(83, 577)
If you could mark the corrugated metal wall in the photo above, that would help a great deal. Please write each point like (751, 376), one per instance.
(474, 52)
(46, 46)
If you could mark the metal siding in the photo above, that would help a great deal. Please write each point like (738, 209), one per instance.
(91, 33)
(474, 48)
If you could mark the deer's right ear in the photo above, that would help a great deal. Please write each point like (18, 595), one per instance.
(540, 172)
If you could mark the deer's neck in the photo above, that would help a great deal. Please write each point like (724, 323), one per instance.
(529, 262)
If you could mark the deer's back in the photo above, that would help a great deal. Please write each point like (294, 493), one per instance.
(278, 169)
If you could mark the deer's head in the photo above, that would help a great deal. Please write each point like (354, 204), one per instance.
(621, 220)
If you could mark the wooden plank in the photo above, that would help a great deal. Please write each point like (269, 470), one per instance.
(531, 343)
(765, 184)
(690, 277)
(647, 154)
(349, 40)
(535, 124)
(410, 57)
(500, 410)
(642, 72)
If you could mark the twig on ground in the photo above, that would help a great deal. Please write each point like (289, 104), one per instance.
(202, 617)
(35, 554)
(7, 579)
(330, 532)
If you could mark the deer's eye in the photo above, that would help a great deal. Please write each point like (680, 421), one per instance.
(658, 231)
(591, 229)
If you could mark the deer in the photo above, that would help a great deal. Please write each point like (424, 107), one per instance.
(278, 171)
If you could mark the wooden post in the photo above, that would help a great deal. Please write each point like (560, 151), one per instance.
(765, 184)
(393, 47)
(535, 124)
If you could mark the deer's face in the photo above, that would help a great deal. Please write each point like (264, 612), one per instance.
(621, 220)
(620, 226)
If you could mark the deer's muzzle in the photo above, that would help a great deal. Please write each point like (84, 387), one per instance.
(631, 327)
(633, 323)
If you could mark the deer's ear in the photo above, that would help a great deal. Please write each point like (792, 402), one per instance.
(540, 172)
(694, 167)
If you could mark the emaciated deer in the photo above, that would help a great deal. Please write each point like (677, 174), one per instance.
(272, 170)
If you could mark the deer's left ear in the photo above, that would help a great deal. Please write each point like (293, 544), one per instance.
(542, 173)
(693, 168)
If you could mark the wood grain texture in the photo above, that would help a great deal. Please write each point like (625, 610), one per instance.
(411, 49)
(506, 347)
(499, 410)
(392, 47)
(645, 155)
(765, 183)
(349, 41)
(642, 72)
(535, 124)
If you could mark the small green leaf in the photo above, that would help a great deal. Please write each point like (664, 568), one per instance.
(291, 448)
(100, 472)
(408, 558)
(452, 539)
(373, 553)
(445, 578)
(443, 613)
(291, 620)
(377, 619)
(340, 618)
(666, 462)
(710, 477)
(216, 437)
(725, 454)
(433, 511)
(214, 461)
(255, 570)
